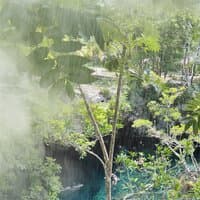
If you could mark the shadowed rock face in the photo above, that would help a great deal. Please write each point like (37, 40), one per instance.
(81, 178)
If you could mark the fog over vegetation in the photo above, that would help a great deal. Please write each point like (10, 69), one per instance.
(51, 53)
(16, 144)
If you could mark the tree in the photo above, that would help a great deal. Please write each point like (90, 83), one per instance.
(48, 42)
(32, 32)
(179, 37)
(54, 36)
(108, 154)
(178, 140)
(172, 126)
(54, 51)
(193, 117)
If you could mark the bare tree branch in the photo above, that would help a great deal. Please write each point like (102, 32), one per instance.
(96, 127)
(115, 118)
(98, 157)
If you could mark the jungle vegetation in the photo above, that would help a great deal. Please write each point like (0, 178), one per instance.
(152, 49)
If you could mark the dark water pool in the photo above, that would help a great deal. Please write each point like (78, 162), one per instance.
(91, 190)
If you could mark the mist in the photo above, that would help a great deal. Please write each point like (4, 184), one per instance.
(16, 143)
(154, 8)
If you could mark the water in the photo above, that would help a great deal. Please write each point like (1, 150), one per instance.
(88, 191)
(89, 173)
(94, 188)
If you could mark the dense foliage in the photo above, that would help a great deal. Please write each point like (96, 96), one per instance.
(155, 58)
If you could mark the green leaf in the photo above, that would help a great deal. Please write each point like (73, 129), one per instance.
(69, 61)
(34, 38)
(57, 87)
(72, 66)
(149, 43)
(69, 89)
(195, 126)
(45, 66)
(39, 54)
(82, 76)
(188, 125)
(142, 123)
(49, 78)
(46, 42)
(110, 30)
(62, 88)
(66, 47)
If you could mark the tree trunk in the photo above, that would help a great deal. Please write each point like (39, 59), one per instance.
(108, 185)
